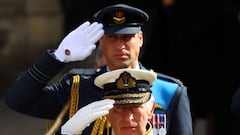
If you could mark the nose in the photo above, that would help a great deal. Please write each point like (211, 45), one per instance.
(120, 42)
(128, 115)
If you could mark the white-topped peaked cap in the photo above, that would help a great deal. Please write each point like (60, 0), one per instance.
(126, 86)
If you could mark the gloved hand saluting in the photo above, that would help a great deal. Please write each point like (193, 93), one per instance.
(79, 43)
(86, 115)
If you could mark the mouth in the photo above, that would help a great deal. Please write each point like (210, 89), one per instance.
(130, 126)
(121, 56)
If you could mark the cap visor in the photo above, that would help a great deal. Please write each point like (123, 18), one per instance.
(130, 98)
(120, 30)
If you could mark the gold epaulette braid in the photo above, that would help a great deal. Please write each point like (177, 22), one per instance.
(96, 126)
(74, 95)
(71, 105)
(100, 125)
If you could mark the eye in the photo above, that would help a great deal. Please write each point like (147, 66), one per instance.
(136, 108)
(117, 110)
(127, 37)
(111, 38)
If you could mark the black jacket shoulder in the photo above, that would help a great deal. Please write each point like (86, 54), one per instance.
(83, 72)
(169, 79)
(165, 77)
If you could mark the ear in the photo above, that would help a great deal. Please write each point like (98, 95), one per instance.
(140, 35)
(150, 112)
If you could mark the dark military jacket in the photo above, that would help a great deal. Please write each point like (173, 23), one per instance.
(30, 94)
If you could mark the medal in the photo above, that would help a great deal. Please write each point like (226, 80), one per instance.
(158, 122)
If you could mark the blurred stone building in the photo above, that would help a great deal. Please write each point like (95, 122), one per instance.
(27, 29)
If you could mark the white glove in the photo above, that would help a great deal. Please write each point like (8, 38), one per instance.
(79, 43)
(85, 116)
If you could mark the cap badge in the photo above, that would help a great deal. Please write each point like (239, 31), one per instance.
(119, 17)
(125, 81)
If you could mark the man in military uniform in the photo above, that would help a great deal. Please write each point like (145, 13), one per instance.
(118, 30)
(133, 105)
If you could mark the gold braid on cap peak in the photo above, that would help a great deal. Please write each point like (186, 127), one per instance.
(127, 95)
(135, 98)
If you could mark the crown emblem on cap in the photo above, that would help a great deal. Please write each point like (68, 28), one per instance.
(125, 81)
(119, 17)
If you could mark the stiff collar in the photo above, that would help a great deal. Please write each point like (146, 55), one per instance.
(137, 67)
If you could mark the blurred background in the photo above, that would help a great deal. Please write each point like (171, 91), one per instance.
(196, 41)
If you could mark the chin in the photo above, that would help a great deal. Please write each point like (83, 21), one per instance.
(129, 132)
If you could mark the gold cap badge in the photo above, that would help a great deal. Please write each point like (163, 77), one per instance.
(125, 81)
(119, 17)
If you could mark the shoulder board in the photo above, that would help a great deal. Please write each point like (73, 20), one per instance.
(169, 78)
(82, 71)
(164, 89)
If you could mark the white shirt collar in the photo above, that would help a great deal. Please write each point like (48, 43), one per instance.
(137, 67)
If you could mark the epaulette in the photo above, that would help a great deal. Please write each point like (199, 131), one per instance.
(165, 77)
(169, 79)
(82, 71)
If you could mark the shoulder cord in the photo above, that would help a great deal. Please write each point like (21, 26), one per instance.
(74, 95)
(100, 125)
(72, 105)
